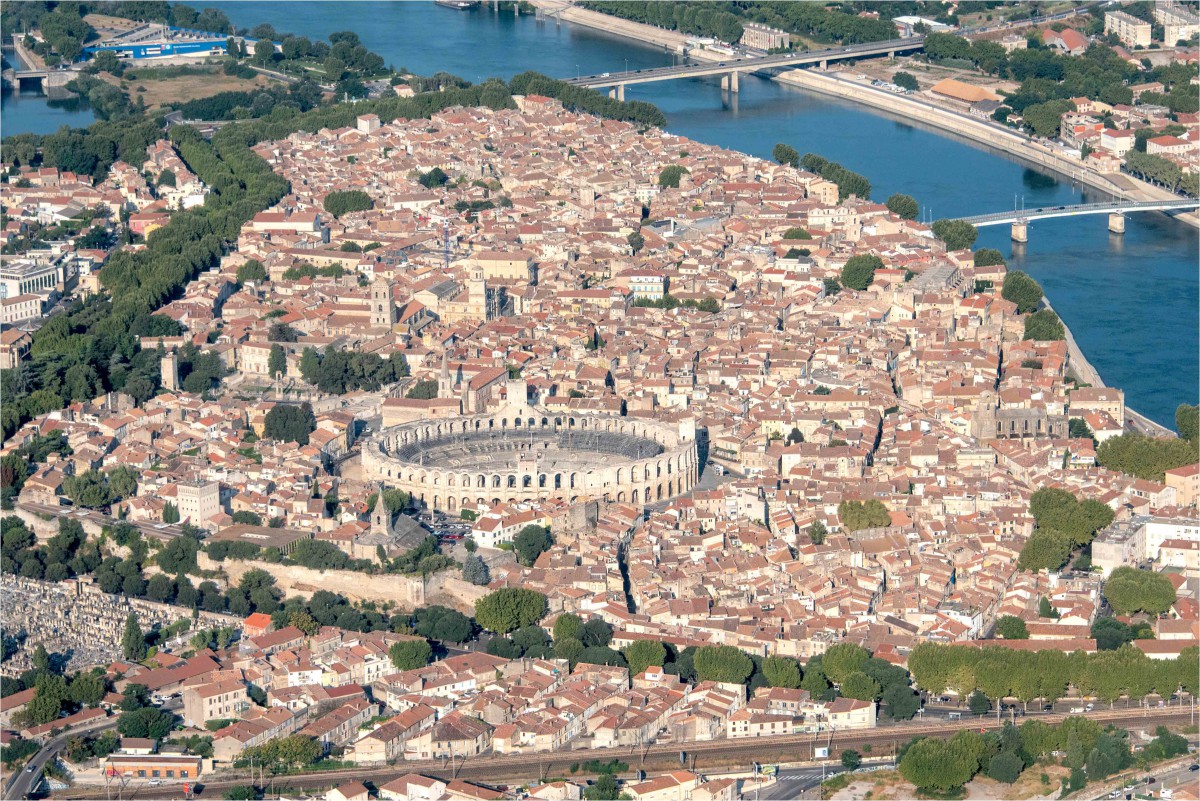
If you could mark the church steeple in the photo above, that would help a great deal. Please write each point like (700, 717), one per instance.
(445, 383)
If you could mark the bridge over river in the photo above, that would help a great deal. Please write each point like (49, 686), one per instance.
(1116, 210)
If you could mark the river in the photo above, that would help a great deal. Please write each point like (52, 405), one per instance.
(1131, 302)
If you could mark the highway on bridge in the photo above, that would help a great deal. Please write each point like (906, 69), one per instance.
(1046, 213)
(786, 60)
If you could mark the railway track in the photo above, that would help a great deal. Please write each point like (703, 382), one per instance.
(517, 768)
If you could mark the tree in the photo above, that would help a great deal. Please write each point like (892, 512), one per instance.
(410, 654)
(941, 766)
(978, 703)
(133, 641)
(1143, 456)
(1187, 422)
(851, 759)
(1005, 767)
(957, 234)
(906, 81)
(642, 654)
(796, 233)
(160, 588)
(723, 663)
(856, 515)
(395, 501)
(567, 626)
(843, 659)
(1130, 590)
(786, 154)
(475, 570)
(636, 241)
(251, 270)
(423, 390)
(290, 423)
(603, 789)
(860, 686)
(304, 621)
(1045, 119)
(532, 542)
(596, 633)
(339, 203)
(780, 671)
(1077, 428)
(510, 608)
(1044, 550)
(903, 206)
(1044, 326)
(1023, 290)
(988, 257)
(148, 722)
(277, 361)
(670, 175)
(859, 271)
(88, 689)
(1011, 627)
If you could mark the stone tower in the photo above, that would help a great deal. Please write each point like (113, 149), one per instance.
(477, 293)
(445, 381)
(169, 367)
(383, 306)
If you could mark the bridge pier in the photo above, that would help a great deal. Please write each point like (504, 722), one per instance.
(617, 92)
(824, 64)
(1020, 231)
(729, 83)
(1116, 223)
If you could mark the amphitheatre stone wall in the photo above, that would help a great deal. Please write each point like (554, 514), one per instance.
(527, 454)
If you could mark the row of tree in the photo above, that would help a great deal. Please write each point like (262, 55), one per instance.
(999, 673)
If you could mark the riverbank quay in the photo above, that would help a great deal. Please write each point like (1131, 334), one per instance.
(649, 34)
(976, 130)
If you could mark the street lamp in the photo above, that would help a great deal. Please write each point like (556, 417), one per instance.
(627, 65)
(576, 72)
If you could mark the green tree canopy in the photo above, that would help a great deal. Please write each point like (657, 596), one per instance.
(906, 80)
(957, 234)
(857, 515)
(1045, 549)
(510, 608)
(842, 660)
(781, 671)
(859, 270)
(642, 654)
(290, 423)
(988, 257)
(1143, 456)
(1023, 290)
(1044, 326)
(345, 202)
(786, 154)
(1187, 422)
(531, 542)
(670, 175)
(410, 654)
(1011, 627)
(723, 663)
(903, 206)
(1130, 590)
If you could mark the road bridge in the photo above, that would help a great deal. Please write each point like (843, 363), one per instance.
(1116, 210)
(732, 67)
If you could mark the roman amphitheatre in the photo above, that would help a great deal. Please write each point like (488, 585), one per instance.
(525, 454)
